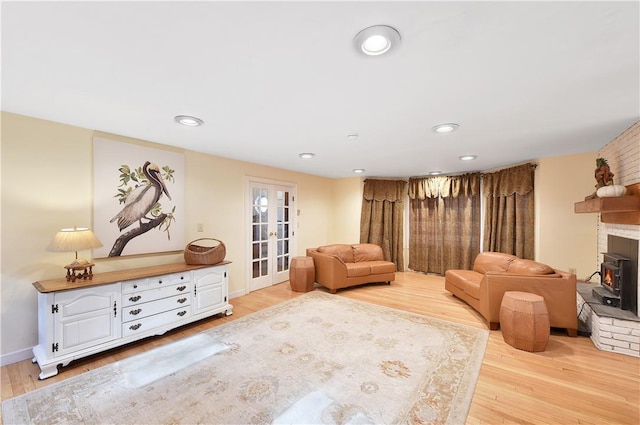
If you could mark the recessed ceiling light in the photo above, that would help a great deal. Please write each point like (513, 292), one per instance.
(435, 173)
(358, 170)
(446, 127)
(376, 40)
(352, 136)
(467, 157)
(188, 120)
(306, 155)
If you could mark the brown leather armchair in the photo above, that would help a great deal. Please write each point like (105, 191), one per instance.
(495, 273)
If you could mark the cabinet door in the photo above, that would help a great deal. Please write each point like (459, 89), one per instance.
(210, 289)
(85, 317)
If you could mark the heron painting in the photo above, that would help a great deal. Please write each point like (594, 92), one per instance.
(144, 200)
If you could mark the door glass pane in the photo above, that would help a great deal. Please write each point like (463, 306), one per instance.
(280, 264)
(256, 269)
(264, 267)
(256, 251)
(265, 250)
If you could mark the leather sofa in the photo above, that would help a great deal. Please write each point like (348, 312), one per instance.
(495, 273)
(343, 265)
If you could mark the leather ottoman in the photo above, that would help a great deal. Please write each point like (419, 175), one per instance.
(524, 320)
(302, 274)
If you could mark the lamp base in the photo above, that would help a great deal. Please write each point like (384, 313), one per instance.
(79, 271)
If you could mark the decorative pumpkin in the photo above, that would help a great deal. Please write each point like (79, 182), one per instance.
(611, 191)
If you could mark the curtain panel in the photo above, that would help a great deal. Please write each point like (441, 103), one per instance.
(509, 211)
(444, 222)
(381, 218)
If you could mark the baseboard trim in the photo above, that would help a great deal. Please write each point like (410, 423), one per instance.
(16, 356)
(237, 294)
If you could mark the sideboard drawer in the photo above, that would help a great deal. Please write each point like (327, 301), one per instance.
(137, 285)
(148, 323)
(136, 312)
(170, 279)
(137, 298)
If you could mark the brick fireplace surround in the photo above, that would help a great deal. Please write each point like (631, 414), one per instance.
(610, 333)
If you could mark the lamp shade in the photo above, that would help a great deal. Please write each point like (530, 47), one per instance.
(74, 239)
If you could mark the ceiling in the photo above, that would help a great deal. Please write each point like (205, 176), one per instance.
(524, 80)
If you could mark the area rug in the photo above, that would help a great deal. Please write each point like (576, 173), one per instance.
(318, 358)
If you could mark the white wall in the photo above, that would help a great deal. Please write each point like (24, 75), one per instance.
(623, 156)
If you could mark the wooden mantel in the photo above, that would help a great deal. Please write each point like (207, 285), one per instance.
(618, 209)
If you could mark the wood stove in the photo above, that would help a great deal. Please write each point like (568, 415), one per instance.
(618, 275)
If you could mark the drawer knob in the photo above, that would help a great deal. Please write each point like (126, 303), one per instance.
(135, 327)
(136, 311)
(134, 299)
(182, 300)
(181, 288)
(182, 313)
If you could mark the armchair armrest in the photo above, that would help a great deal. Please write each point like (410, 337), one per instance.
(558, 291)
(329, 269)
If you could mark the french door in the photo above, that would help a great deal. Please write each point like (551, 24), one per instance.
(271, 222)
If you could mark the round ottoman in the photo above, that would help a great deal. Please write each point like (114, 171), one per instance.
(302, 274)
(524, 320)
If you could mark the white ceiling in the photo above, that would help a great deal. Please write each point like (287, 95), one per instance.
(524, 80)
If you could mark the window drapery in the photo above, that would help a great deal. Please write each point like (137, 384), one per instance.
(509, 211)
(381, 218)
(444, 222)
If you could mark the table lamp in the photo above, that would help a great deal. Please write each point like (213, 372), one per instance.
(76, 239)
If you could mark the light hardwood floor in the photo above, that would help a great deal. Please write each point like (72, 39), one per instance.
(571, 382)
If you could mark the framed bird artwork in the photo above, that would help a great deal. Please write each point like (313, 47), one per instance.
(138, 195)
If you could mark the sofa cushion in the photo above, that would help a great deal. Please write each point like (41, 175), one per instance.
(367, 252)
(381, 267)
(529, 267)
(358, 269)
(342, 251)
(492, 262)
(466, 280)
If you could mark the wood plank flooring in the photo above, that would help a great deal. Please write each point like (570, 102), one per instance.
(571, 382)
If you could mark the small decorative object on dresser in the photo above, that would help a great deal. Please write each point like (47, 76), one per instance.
(213, 252)
(76, 239)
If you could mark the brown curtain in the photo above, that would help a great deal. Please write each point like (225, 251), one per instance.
(381, 219)
(509, 211)
(444, 222)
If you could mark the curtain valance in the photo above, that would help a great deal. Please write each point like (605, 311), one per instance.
(506, 182)
(444, 186)
(384, 190)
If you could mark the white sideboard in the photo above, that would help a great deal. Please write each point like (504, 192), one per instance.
(77, 319)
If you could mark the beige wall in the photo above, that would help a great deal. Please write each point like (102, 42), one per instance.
(566, 240)
(347, 203)
(47, 184)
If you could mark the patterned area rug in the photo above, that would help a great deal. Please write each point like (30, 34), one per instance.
(318, 358)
